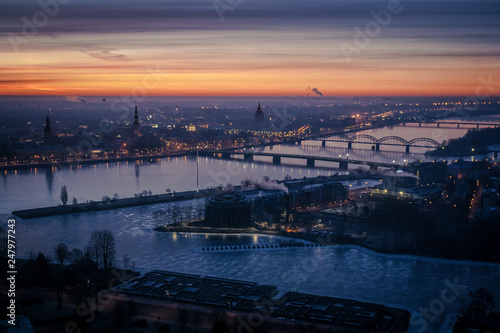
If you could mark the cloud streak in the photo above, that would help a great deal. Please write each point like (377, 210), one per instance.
(108, 45)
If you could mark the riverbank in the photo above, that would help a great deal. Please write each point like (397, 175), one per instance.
(326, 239)
(474, 143)
(94, 206)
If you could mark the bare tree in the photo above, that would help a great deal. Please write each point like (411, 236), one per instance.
(64, 195)
(108, 245)
(102, 244)
(94, 245)
(62, 253)
(76, 254)
(160, 218)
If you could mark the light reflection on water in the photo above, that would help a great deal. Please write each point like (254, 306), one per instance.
(342, 271)
(403, 281)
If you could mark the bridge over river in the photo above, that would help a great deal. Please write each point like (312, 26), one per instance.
(376, 143)
(248, 155)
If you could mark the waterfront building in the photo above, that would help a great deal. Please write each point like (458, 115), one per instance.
(318, 194)
(228, 211)
(396, 182)
(291, 311)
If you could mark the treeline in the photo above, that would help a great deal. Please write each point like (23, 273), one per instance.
(473, 143)
(436, 229)
(178, 214)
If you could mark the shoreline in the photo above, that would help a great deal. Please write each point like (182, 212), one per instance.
(350, 243)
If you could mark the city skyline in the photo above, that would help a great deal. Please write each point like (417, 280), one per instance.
(247, 48)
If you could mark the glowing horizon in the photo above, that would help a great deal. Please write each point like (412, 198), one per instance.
(171, 48)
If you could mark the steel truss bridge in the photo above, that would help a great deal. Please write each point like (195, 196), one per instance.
(376, 143)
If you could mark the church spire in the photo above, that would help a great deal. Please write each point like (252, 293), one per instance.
(137, 126)
(47, 133)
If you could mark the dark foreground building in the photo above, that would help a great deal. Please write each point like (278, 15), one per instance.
(228, 211)
(250, 307)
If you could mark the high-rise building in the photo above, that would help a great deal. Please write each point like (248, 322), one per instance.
(259, 115)
(137, 126)
(47, 133)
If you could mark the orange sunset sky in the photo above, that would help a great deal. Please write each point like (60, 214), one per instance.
(256, 48)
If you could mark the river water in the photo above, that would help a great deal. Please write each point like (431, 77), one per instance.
(343, 271)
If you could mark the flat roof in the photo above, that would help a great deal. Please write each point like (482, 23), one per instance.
(249, 296)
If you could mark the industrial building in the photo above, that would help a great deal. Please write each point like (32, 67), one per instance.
(228, 211)
(280, 311)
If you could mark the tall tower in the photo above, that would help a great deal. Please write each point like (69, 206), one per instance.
(137, 127)
(259, 115)
(47, 133)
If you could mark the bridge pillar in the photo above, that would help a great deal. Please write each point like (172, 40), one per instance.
(438, 125)
(458, 125)
(343, 165)
(277, 160)
(349, 145)
(407, 149)
(248, 157)
(404, 124)
(373, 167)
(477, 126)
(226, 155)
(299, 142)
(419, 124)
(310, 162)
(377, 147)
(323, 143)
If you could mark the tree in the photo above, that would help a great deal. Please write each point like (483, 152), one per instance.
(42, 263)
(116, 196)
(76, 254)
(102, 244)
(94, 247)
(64, 195)
(482, 299)
(108, 248)
(75, 201)
(62, 253)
